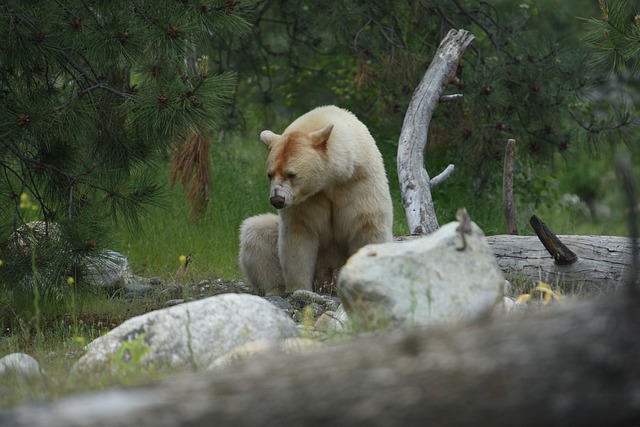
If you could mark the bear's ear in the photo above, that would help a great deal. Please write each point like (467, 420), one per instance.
(267, 137)
(320, 137)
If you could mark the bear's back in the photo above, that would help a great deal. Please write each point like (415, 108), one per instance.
(321, 117)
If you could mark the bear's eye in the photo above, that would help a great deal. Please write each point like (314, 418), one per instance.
(291, 175)
(269, 175)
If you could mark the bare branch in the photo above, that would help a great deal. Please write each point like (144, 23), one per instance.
(414, 180)
(450, 98)
(442, 176)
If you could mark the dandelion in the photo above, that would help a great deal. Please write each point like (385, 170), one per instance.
(182, 259)
(70, 281)
(25, 202)
(1, 263)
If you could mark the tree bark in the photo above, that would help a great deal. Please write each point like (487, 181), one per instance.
(601, 266)
(568, 365)
(415, 184)
(507, 188)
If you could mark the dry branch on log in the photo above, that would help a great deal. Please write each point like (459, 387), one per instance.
(575, 364)
(415, 184)
(560, 253)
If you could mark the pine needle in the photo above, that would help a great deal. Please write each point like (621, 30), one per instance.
(190, 165)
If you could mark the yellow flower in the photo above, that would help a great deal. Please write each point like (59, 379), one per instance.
(182, 259)
(24, 197)
(70, 280)
(1, 263)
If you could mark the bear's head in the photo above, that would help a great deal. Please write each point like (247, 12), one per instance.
(296, 165)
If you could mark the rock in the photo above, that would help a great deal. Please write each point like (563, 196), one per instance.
(333, 321)
(281, 303)
(20, 364)
(302, 298)
(105, 269)
(263, 348)
(137, 290)
(189, 335)
(422, 281)
(109, 270)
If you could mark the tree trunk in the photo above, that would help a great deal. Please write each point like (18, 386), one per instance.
(415, 184)
(568, 365)
(601, 265)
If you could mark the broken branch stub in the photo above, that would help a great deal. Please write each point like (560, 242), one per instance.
(561, 254)
(415, 184)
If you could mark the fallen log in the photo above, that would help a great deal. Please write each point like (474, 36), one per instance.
(572, 364)
(601, 265)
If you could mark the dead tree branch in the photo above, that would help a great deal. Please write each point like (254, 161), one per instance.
(415, 184)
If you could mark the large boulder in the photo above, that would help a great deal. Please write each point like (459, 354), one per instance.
(189, 335)
(434, 279)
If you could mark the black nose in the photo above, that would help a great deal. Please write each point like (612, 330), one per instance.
(277, 202)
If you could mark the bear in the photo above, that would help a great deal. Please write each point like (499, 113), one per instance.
(330, 188)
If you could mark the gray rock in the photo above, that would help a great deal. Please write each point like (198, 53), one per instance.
(309, 312)
(423, 281)
(110, 270)
(302, 298)
(20, 364)
(191, 334)
(264, 348)
(137, 290)
(333, 321)
(281, 303)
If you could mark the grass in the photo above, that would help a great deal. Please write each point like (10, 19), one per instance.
(239, 190)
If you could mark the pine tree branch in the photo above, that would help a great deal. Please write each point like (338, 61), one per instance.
(483, 27)
(83, 72)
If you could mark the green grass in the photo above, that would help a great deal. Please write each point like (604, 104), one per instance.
(238, 190)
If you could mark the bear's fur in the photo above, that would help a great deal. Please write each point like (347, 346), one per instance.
(330, 188)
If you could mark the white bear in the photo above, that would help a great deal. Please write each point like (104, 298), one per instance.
(330, 188)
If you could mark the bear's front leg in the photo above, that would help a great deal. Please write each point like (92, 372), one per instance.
(298, 253)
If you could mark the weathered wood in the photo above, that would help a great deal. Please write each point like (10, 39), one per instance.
(415, 184)
(560, 253)
(601, 266)
(507, 188)
(623, 167)
(575, 364)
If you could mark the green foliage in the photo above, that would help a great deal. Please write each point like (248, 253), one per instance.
(92, 99)
(615, 36)
(523, 78)
(128, 359)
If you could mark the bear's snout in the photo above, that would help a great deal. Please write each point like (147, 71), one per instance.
(277, 202)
